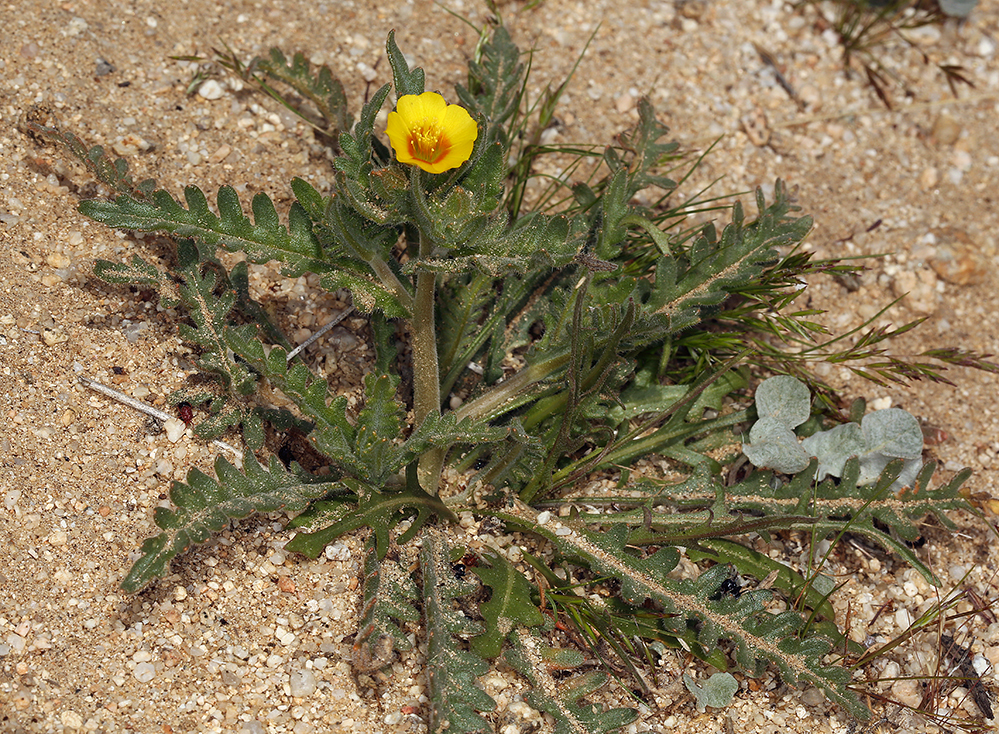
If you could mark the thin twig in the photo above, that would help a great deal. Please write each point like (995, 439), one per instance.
(308, 342)
(767, 58)
(142, 407)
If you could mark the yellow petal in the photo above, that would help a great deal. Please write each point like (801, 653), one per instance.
(420, 106)
(459, 125)
(427, 132)
(398, 133)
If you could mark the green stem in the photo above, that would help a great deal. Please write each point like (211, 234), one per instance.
(492, 404)
(632, 448)
(426, 372)
(391, 281)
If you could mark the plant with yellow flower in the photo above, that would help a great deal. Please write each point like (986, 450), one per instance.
(525, 355)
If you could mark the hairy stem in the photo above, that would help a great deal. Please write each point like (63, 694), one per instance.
(391, 281)
(426, 373)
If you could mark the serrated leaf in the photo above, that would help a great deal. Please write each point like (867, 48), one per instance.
(684, 288)
(206, 505)
(495, 83)
(750, 562)
(379, 509)
(322, 88)
(378, 427)
(452, 670)
(407, 81)
(759, 636)
(137, 272)
(509, 606)
(389, 598)
(262, 241)
(111, 172)
(532, 657)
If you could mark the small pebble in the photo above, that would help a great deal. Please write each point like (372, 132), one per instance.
(125, 147)
(76, 26)
(903, 618)
(144, 672)
(907, 693)
(51, 337)
(174, 428)
(71, 720)
(961, 160)
(211, 89)
(929, 178)
(958, 258)
(337, 552)
(57, 260)
(367, 72)
(302, 683)
(343, 340)
(810, 96)
(220, 154)
(946, 130)
(981, 664)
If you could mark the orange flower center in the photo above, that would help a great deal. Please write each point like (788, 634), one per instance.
(427, 141)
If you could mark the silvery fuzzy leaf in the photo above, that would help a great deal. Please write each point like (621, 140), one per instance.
(873, 464)
(783, 399)
(773, 445)
(958, 8)
(893, 432)
(833, 447)
(717, 691)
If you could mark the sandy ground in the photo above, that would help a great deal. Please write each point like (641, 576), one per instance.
(243, 637)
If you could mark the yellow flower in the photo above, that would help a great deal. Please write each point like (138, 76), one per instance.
(428, 132)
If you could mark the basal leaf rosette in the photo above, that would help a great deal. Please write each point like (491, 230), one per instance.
(428, 132)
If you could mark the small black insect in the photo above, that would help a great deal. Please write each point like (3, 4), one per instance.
(729, 587)
(458, 569)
